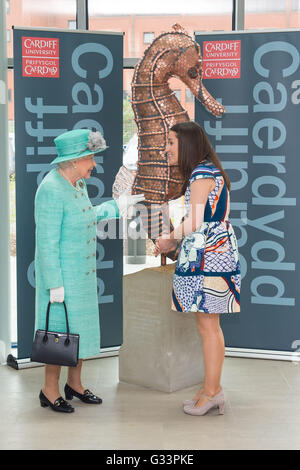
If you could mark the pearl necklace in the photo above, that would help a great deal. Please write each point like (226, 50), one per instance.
(76, 187)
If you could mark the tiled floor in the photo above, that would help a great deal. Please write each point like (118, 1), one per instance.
(262, 411)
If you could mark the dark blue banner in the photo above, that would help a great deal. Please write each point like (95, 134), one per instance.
(256, 77)
(66, 80)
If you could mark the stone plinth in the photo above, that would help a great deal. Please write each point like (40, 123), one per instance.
(161, 348)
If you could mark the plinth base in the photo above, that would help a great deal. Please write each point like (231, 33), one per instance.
(161, 348)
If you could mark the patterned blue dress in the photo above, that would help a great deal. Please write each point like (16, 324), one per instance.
(207, 275)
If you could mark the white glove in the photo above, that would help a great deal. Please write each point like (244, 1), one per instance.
(57, 294)
(126, 201)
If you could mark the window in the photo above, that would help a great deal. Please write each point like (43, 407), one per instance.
(142, 22)
(296, 5)
(8, 35)
(37, 13)
(264, 5)
(273, 14)
(148, 38)
(72, 24)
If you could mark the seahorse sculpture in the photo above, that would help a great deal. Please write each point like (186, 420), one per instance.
(156, 109)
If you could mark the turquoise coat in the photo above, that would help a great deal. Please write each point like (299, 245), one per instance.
(65, 255)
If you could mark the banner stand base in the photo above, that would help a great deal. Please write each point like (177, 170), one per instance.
(229, 352)
(26, 363)
(264, 354)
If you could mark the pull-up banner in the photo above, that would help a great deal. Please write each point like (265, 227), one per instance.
(66, 80)
(256, 76)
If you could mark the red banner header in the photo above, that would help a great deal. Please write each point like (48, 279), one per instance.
(40, 57)
(222, 59)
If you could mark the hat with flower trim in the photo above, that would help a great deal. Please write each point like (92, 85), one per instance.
(78, 143)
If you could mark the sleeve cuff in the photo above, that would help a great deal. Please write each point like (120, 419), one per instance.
(107, 210)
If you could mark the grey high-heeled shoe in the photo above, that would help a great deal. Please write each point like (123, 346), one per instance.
(191, 402)
(217, 400)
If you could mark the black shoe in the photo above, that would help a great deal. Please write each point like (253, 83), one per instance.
(59, 405)
(86, 397)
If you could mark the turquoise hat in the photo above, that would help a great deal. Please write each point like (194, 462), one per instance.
(78, 143)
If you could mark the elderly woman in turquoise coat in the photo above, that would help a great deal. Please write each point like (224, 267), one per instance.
(65, 258)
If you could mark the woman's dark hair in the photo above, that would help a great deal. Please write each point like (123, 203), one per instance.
(193, 147)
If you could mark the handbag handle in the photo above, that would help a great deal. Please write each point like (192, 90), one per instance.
(47, 323)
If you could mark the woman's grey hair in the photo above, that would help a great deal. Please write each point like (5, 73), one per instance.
(66, 164)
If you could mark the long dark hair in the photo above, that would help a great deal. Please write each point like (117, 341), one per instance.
(193, 147)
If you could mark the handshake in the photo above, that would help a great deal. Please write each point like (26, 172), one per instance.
(164, 245)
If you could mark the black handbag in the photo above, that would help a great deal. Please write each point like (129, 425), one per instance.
(52, 347)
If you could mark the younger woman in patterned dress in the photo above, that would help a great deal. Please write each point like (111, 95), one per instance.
(207, 273)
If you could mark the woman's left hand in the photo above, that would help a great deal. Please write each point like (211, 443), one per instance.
(57, 294)
(164, 245)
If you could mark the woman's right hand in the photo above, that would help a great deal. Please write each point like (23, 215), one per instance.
(57, 295)
(164, 245)
(126, 201)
